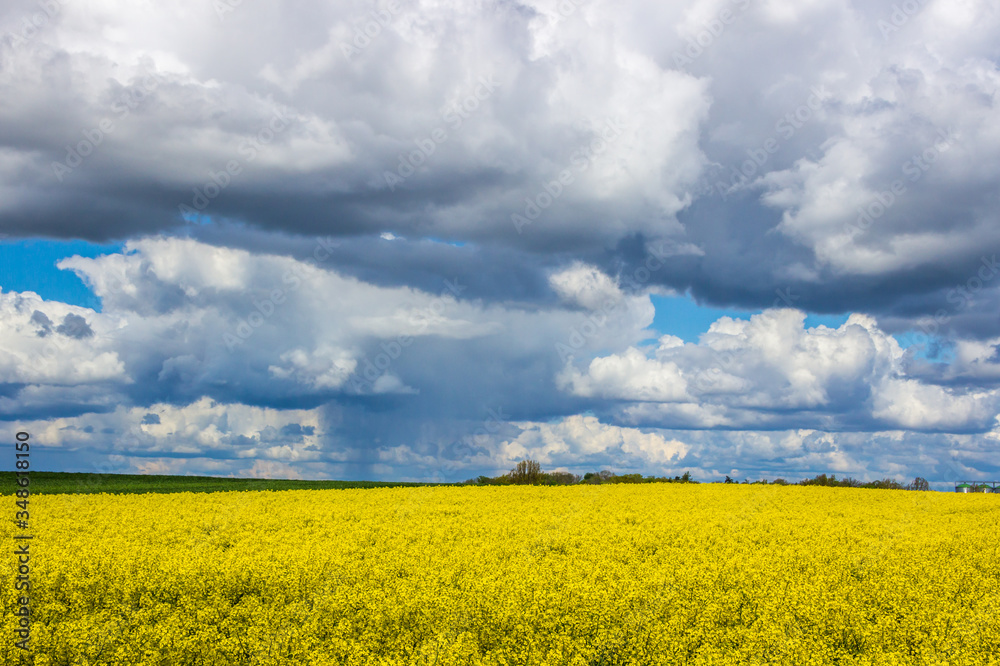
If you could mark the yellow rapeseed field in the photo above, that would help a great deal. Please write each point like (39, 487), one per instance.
(622, 574)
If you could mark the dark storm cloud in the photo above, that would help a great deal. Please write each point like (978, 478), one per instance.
(725, 146)
(490, 273)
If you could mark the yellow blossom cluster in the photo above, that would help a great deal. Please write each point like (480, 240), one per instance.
(579, 575)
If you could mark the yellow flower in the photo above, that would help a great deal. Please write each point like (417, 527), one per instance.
(651, 574)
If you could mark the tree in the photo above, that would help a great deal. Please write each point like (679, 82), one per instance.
(526, 472)
(560, 478)
(920, 483)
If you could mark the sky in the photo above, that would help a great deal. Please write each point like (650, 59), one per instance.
(425, 239)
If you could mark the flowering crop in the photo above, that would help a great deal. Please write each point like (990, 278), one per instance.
(651, 574)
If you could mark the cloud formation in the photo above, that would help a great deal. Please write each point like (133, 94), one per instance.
(210, 353)
(398, 217)
(772, 372)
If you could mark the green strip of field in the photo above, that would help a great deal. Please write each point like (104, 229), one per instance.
(51, 483)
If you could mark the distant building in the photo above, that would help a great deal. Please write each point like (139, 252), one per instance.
(977, 487)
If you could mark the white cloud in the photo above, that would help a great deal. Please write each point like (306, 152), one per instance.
(577, 436)
(628, 376)
(305, 324)
(586, 286)
(758, 372)
(915, 406)
(201, 428)
(900, 143)
(54, 343)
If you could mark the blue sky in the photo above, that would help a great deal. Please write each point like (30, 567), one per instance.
(685, 318)
(30, 265)
(453, 248)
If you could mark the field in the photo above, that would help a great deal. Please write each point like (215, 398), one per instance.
(652, 574)
(49, 483)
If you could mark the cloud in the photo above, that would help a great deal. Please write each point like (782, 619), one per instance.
(194, 339)
(272, 469)
(491, 111)
(75, 326)
(772, 371)
(586, 286)
(216, 126)
(181, 320)
(628, 376)
(266, 323)
(69, 354)
(202, 429)
(468, 208)
(580, 436)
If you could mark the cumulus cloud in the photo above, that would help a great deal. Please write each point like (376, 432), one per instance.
(204, 429)
(213, 352)
(586, 286)
(272, 469)
(197, 316)
(35, 351)
(772, 370)
(579, 436)
(181, 319)
(628, 376)
(859, 176)
(317, 126)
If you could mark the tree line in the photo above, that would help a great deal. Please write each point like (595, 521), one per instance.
(919, 483)
(529, 473)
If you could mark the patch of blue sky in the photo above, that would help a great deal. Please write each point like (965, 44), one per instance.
(197, 218)
(30, 265)
(828, 320)
(683, 317)
(927, 347)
